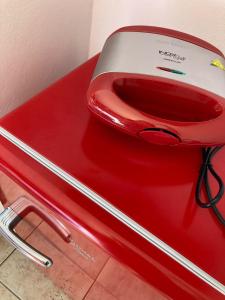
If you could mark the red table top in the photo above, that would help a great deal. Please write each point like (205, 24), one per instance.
(153, 186)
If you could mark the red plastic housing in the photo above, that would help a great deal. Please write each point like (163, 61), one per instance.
(159, 109)
(153, 185)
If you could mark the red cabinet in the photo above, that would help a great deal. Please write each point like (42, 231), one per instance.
(54, 260)
(132, 200)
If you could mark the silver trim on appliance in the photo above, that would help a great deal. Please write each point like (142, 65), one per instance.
(6, 218)
(97, 199)
(12, 215)
(142, 53)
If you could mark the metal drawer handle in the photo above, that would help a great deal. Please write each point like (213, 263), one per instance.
(13, 214)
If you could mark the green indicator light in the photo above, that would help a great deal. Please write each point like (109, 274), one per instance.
(178, 72)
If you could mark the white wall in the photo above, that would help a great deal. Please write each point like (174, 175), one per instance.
(40, 41)
(203, 18)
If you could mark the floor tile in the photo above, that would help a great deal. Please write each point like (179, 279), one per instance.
(5, 249)
(125, 285)
(81, 251)
(9, 189)
(10, 192)
(64, 280)
(27, 281)
(23, 229)
(5, 294)
(27, 225)
(97, 292)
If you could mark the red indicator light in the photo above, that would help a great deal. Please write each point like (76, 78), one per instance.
(171, 70)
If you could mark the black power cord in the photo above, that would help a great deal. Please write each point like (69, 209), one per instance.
(203, 180)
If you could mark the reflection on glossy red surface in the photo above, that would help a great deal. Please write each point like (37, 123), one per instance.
(153, 185)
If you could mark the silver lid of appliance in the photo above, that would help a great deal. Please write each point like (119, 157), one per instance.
(149, 53)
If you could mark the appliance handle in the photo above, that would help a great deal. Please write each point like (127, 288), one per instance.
(13, 214)
(106, 104)
(114, 105)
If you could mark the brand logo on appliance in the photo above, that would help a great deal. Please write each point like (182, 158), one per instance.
(82, 252)
(172, 55)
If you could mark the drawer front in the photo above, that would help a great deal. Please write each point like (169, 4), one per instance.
(156, 267)
(42, 256)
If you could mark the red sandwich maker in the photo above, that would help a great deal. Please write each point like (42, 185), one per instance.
(161, 85)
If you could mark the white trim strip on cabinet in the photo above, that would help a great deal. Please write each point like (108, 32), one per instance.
(97, 199)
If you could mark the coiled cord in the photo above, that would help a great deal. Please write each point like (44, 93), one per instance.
(203, 180)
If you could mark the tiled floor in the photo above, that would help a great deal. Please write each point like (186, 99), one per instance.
(73, 275)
